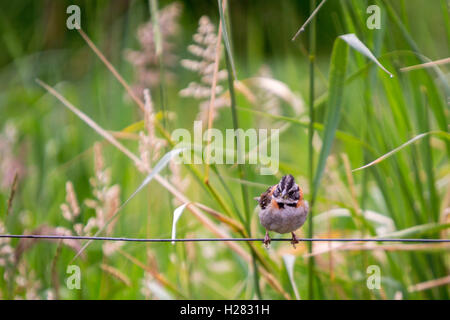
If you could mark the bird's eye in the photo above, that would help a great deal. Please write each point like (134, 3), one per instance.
(294, 195)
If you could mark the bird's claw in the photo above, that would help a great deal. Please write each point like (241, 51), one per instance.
(266, 240)
(294, 240)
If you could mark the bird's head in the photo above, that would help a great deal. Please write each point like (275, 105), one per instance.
(287, 191)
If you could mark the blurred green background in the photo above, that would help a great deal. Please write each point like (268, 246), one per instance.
(47, 146)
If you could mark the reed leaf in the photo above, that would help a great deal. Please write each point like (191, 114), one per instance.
(339, 58)
(176, 216)
(441, 134)
(353, 41)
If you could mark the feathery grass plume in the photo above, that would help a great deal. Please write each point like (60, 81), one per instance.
(145, 60)
(150, 146)
(7, 259)
(105, 202)
(151, 285)
(16, 272)
(106, 199)
(151, 289)
(204, 48)
(26, 285)
(70, 209)
(116, 273)
(6, 250)
(11, 163)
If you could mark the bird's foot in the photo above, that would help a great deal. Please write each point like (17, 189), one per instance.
(294, 240)
(266, 240)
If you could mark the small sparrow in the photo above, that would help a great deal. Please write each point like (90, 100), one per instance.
(283, 208)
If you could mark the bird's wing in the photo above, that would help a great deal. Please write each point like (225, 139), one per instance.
(266, 197)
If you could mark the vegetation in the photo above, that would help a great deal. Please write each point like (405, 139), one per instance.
(79, 141)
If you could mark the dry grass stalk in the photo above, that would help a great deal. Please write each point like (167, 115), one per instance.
(12, 193)
(426, 65)
(92, 123)
(236, 226)
(430, 284)
(384, 247)
(207, 48)
(124, 135)
(110, 68)
(54, 271)
(116, 273)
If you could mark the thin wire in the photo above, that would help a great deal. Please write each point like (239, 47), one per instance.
(35, 236)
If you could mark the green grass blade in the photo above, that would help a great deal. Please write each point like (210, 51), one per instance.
(226, 39)
(444, 135)
(339, 58)
(419, 230)
(289, 263)
(356, 44)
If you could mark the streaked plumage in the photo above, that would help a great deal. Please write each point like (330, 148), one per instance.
(283, 208)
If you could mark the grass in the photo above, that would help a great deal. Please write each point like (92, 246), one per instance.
(356, 115)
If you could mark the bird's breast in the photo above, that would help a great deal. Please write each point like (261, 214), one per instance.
(284, 220)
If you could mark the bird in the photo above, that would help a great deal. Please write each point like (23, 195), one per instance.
(282, 209)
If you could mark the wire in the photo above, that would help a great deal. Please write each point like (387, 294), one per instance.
(35, 236)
